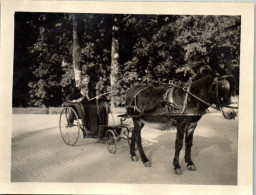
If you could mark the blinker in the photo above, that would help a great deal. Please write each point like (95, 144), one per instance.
(224, 84)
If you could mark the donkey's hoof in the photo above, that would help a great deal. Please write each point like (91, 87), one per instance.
(178, 171)
(147, 164)
(191, 167)
(134, 158)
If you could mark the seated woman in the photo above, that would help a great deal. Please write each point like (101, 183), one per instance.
(93, 112)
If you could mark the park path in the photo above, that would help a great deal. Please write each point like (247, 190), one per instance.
(40, 155)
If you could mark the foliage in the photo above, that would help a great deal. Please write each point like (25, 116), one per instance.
(152, 49)
(209, 40)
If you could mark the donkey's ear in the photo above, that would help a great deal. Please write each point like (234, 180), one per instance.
(209, 68)
(206, 69)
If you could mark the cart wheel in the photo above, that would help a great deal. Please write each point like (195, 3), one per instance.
(69, 125)
(111, 142)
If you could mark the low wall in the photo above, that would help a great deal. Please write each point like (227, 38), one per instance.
(34, 110)
(50, 110)
(30, 110)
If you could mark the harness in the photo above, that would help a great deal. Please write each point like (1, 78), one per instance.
(135, 107)
(216, 82)
(171, 105)
(170, 90)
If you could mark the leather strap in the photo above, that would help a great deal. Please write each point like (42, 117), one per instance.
(185, 99)
(135, 100)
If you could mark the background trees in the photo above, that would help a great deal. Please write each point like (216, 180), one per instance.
(151, 49)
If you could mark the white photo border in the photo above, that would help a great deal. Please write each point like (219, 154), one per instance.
(245, 136)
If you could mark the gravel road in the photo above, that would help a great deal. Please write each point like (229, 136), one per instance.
(40, 155)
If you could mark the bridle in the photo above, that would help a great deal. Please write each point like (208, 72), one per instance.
(216, 81)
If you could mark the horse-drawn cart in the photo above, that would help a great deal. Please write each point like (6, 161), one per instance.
(72, 126)
(181, 105)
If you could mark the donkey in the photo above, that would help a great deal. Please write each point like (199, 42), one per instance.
(181, 105)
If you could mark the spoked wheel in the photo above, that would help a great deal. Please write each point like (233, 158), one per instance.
(69, 125)
(111, 141)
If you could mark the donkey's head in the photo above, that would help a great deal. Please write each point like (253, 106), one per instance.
(226, 98)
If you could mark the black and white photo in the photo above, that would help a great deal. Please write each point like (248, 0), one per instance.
(103, 96)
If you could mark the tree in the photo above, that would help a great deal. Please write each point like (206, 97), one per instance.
(50, 51)
(151, 49)
(114, 74)
(209, 40)
(25, 36)
(76, 52)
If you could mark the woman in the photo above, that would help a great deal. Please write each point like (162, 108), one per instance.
(94, 112)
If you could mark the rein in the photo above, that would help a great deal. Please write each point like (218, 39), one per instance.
(216, 80)
(201, 100)
(98, 96)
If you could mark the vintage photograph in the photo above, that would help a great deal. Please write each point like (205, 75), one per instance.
(126, 97)
(95, 93)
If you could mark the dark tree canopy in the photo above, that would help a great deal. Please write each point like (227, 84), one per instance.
(152, 49)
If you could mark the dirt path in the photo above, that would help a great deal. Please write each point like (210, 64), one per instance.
(40, 155)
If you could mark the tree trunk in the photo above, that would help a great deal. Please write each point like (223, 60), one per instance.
(114, 64)
(76, 52)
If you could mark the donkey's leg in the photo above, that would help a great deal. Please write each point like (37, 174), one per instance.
(181, 126)
(132, 146)
(138, 125)
(189, 142)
